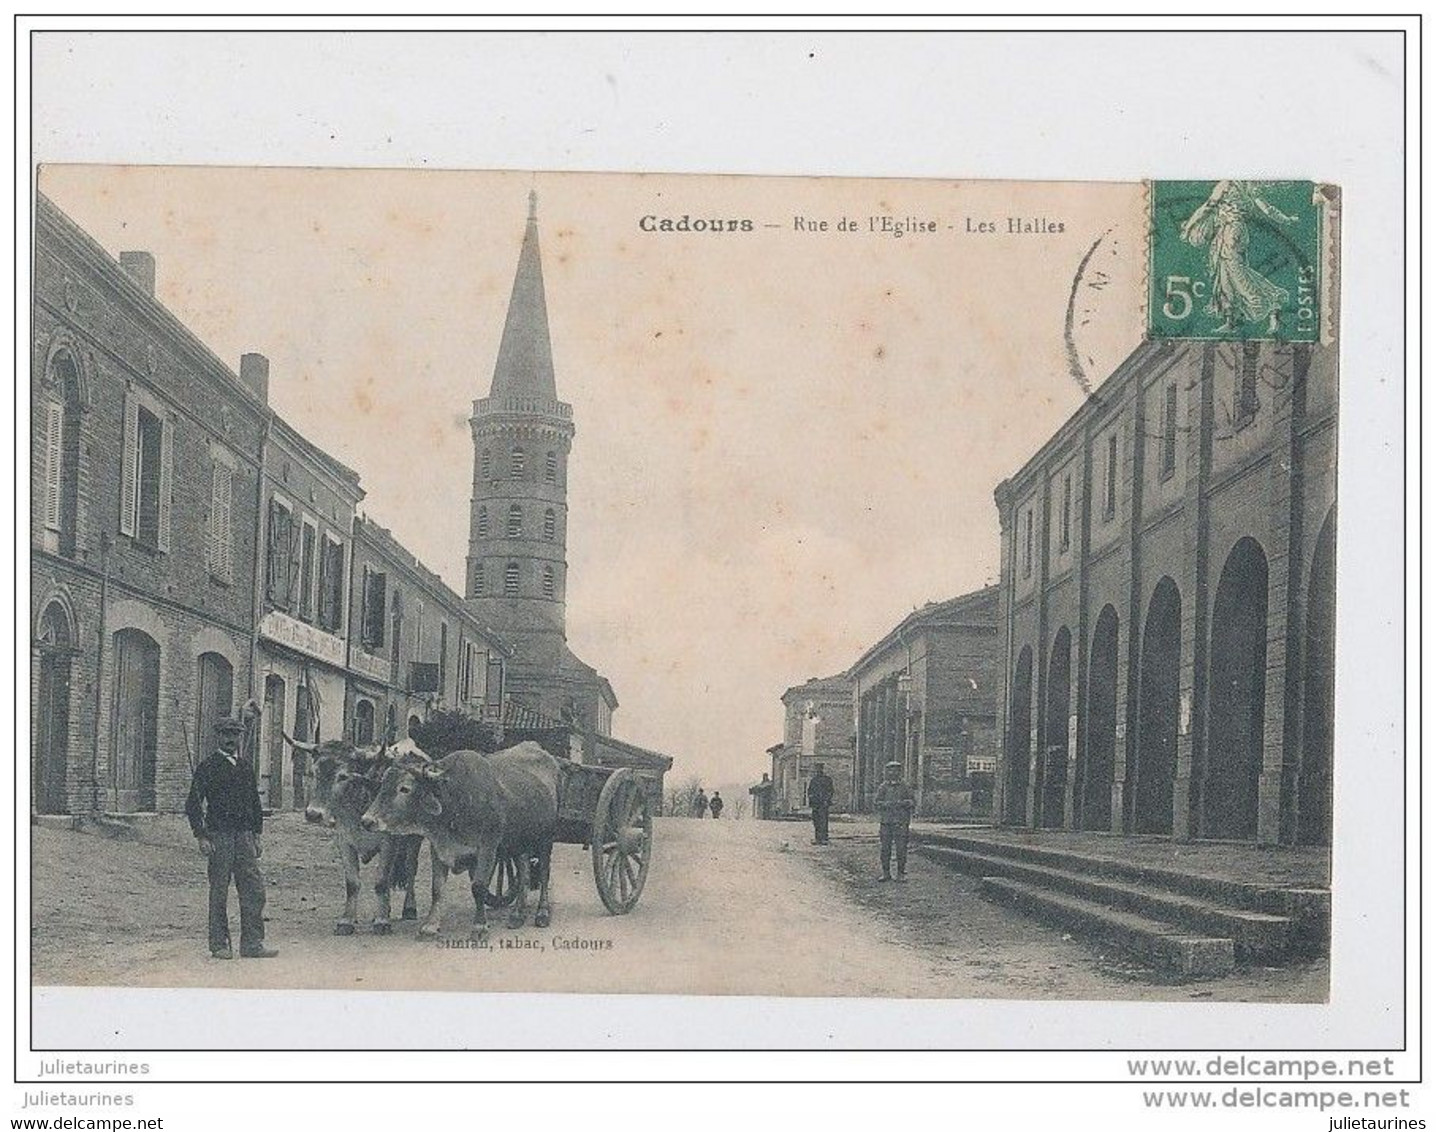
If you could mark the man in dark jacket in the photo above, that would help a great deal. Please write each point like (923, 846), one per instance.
(715, 804)
(224, 812)
(820, 801)
(894, 802)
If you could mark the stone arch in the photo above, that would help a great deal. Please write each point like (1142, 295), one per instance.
(57, 603)
(209, 639)
(64, 346)
(1318, 742)
(1158, 699)
(1099, 754)
(1055, 737)
(1236, 696)
(130, 614)
(1019, 740)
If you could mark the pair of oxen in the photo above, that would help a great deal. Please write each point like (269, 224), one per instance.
(493, 815)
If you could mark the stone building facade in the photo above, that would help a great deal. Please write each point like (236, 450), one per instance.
(817, 728)
(144, 486)
(1168, 601)
(925, 695)
(517, 565)
(414, 644)
(307, 521)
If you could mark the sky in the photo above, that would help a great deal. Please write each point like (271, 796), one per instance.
(787, 438)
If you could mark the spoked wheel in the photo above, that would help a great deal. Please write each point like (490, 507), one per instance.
(503, 883)
(622, 841)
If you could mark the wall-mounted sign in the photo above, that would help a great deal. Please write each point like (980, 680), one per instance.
(367, 664)
(294, 634)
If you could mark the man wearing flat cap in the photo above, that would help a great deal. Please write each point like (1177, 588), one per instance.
(224, 811)
(894, 802)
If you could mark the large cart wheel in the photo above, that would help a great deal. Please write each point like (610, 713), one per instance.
(503, 887)
(622, 841)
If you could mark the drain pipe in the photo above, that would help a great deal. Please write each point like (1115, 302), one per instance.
(100, 675)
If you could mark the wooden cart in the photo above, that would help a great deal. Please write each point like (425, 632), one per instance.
(607, 810)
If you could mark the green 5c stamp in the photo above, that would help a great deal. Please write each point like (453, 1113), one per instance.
(1235, 260)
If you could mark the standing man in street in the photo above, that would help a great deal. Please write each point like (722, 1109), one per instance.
(820, 801)
(700, 804)
(224, 812)
(716, 804)
(894, 802)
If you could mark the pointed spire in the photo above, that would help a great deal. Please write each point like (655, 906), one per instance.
(525, 362)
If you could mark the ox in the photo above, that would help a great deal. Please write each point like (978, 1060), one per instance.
(475, 809)
(345, 781)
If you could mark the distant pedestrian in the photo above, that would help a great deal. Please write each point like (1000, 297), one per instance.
(224, 811)
(700, 804)
(820, 801)
(716, 804)
(894, 803)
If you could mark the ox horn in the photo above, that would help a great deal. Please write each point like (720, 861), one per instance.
(307, 748)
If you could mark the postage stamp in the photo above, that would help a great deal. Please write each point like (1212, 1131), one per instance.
(1235, 260)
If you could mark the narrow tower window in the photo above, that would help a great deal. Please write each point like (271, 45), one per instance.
(478, 577)
(548, 582)
(1109, 507)
(550, 467)
(486, 465)
(1169, 431)
(511, 580)
(550, 525)
(1067, 512)
(516, 463)
(483, 522)
(516, 521)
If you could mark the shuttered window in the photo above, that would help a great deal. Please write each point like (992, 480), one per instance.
(511, 579)
(331, 584)
(54, 457)
(550, 525)
(146, 488)
(308, 548)
(278, 556)
(375, 585)
(129, 467)
(221, 522)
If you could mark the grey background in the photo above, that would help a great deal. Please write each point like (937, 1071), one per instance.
(1108, 106)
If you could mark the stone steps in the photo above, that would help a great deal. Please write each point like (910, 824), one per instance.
(1160, 944)
(1255, 935)
(1185, 922)
(1307, 907)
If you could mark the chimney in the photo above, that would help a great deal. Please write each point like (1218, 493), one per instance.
(254, 374)
(140, 266)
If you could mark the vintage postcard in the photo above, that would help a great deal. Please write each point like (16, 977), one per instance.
(683, 584)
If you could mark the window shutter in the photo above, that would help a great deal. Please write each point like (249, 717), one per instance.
(294, 563)
(271, 560)
(166, 481)
(54, 448)
(325, 565)
(129, 473)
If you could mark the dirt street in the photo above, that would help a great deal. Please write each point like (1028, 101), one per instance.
(730, 907)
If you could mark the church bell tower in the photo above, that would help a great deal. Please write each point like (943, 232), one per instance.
(518, 518)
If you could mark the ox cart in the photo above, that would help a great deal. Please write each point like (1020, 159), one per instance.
(607, 810)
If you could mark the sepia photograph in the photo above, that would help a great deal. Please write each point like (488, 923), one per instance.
(519, 582)
(659, 557)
